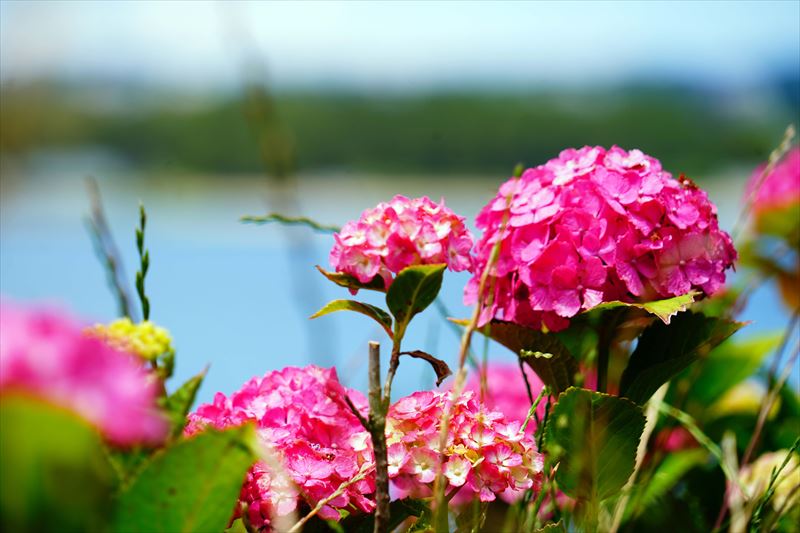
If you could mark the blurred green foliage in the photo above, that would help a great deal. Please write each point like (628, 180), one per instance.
(455, 133)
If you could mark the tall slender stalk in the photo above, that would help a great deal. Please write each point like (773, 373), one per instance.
(377, 431)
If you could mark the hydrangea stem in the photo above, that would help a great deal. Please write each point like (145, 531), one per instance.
(377, 431)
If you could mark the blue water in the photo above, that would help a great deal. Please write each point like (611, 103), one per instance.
(237, 297)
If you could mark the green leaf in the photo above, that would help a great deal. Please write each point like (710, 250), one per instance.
(289, 221)
(55, 476)
(543, 352)
(237, 527)
(351, 282)
(439, 366)
(663, 351)
(594, 436)
(674, 466)
(663, 309)
(191, 486)
(376, 313)
(178, 404)
(726, 366)
(414, 289)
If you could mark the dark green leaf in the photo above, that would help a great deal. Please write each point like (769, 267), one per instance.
(351, 282)
(471, 518)
(543, 352)
(178, 404)
(376, 313)
(290, 221)
(663, 351)
(414, 289)
(399, 511)
(674, 466)
(191, 486)
(54, 472)
(663, 309)
(594, 437)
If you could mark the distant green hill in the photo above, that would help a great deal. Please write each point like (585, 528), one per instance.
(450, 134)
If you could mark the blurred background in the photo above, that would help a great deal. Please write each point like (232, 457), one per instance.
(207, 111)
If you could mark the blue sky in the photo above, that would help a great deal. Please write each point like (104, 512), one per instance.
(401, 45)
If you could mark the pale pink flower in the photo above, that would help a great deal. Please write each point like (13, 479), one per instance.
(398, 234)
(591, 226)
(46, 354)
(480, 457)
(778, 192)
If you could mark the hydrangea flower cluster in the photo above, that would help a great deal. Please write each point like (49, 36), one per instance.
(505, 392)
(485, 454)
(302, 416)
(776, 192)
(144, 339)
(596, 225)
(401, 233)
(46, 354)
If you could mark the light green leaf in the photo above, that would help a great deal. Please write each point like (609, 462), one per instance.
(594, 437)
(55, 476)
(376, 313)
(191, 486)
(727, 365)
(663, 309)
(543, 352)
(663, 351)
(414, 289)
(178, 404)
(351, 282)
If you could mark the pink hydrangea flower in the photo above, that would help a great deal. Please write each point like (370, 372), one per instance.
(398, 234)
(505, 392)
(301, 415)
(485, 454)
(779, 190)
(46, 354)
(595, 225)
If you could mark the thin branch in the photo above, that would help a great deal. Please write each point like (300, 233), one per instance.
(106, 249)
(289, 221)
(323, 502)
(377, 431)
(356, 412)
(532, 410)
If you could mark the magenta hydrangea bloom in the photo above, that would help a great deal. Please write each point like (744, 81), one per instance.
(46, 354)
(486, 454)
(778, 191)
(302, 417)
(398, 234)
(591, 226)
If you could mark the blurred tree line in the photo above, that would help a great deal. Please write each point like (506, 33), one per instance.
(448, 133)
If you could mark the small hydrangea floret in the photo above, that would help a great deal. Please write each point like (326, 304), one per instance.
(485, 454)
(593, 226)
(398, 234)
